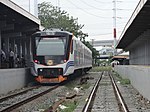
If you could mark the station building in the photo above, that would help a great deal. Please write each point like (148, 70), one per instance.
(16, 27)
(135, 38)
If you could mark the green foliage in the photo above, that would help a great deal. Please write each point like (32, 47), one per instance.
(122, 81)
(85, 86)
(54, 17)
(71, 106)
(125, 81)
(95, 53)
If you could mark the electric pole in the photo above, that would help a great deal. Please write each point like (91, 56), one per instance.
(114, 25)
(93, 42)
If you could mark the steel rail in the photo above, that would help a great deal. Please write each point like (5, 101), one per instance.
(17, 93)
(92, 94)
(121, 100)
(18, 104)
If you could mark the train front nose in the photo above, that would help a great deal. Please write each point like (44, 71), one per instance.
(50, 75)
(50, 72)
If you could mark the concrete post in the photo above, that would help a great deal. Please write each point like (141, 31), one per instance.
(19, 52)
(0, 48)
(28, 50)
(23, 47)
(7, 47)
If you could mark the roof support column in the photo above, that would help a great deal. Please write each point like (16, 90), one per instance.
(28, 50)
(23, 44)
(18, 47)
(23, 47)
(6, 50)
(0, 48)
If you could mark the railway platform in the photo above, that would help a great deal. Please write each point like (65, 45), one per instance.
(16, 27)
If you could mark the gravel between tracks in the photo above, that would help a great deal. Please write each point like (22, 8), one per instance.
(135, 102)
(43, 102)
(132, 97)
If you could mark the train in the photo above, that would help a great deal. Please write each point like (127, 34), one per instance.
(57, 54)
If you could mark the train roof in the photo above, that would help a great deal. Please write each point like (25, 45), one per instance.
(58, 32)
(75, 38)
(52, 31)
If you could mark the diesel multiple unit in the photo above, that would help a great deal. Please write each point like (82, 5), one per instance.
(56, 54)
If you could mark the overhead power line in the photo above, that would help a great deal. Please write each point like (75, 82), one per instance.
(104, 34)
(94, 6)
(118, 9)
(86, 8)
(128, 1)
(101, 2)
(87, 11)
(101, 34)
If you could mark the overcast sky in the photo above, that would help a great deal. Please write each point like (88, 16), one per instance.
(96, 15)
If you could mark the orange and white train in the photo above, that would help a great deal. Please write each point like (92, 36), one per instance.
(56, 54)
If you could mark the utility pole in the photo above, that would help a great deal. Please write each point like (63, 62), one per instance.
(93, 60)
(92, 42)
(114, 25)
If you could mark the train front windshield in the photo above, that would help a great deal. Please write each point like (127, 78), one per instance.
(50, 50)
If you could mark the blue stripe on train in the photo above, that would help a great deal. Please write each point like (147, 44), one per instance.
(69, 64)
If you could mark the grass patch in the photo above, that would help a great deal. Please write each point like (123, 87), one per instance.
(122, 80)
(85, 86)
(71, 105)
(117, 75)
(70, 85)
(125, 81)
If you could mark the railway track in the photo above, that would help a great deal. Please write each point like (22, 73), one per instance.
(14, 101)
(17, 93)
(104, 97)
(122, 105)
(111, 98)
(89, 102)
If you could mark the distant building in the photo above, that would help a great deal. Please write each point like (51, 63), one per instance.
(106, 51)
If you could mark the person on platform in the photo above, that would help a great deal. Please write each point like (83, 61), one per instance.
(3, 56)
(11, 59)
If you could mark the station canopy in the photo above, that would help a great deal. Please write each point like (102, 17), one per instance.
(15, 21)
(138, 24)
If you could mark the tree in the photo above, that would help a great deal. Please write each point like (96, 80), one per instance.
(54, 17)
(95, 53)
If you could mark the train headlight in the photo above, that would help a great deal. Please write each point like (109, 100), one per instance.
(60, 71)
(41, 70)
